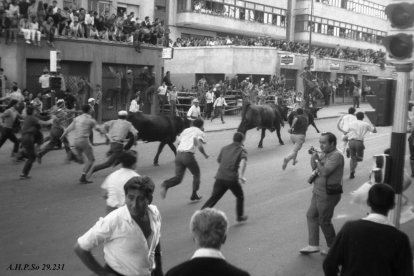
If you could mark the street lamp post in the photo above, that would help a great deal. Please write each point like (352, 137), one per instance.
(310, 36)
(309, 61)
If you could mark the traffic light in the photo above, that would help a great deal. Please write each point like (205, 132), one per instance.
(381, 173)
(55, 61)
(399, 42)
(382, 101)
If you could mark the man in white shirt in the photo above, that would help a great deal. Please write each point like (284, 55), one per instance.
(114, 183)
(162, 96)
(343, 126)
(209, 103)
(117, 131)
(44, 81)
(194, 112)
(190, 139)
(219, 107)
(130, 235)
(357, 131)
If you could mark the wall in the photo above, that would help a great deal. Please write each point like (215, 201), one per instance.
(229, 60)
(342, 15)
(229, 25)
(232, 60)
(15, 57)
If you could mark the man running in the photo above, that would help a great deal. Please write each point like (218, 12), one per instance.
(190, 139)
(59, 123)
(343, 126)
(356, 134)
(31, 136)
(8, 121)
(82, 126)
(297, 136)
(232, 159)
(117, 131)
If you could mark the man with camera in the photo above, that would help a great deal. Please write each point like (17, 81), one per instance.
(328, 170)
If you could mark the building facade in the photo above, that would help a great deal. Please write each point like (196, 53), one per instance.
(100, 62)
(349, 23)
(359, 25)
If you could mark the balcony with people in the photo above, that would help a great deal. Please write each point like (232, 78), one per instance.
(345, 53)
(231, 16)
(37, 22)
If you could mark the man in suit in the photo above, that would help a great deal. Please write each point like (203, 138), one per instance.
(209, 228)
(372, 245)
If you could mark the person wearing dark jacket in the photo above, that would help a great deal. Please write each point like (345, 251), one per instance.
(209, 229)
(371, 246)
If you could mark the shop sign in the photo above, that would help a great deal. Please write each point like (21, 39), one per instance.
(287, 59)
(334, 66)
(167, 53)
(352, 67)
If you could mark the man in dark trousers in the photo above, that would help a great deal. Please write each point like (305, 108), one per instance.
(31, 136)
(117, 131)
(209, 229)
(232, 158)
(7, 123)
(60, 120)
(297, 136)
(191, 138)
(328, 169)
(372, 245)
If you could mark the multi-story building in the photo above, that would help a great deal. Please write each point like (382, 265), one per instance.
(353, 24)
(100, 62)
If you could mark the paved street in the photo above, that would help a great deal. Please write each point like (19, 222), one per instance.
(42, 217)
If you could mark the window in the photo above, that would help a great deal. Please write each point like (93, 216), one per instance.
(103, 8)
(240, 3)
(181, 5)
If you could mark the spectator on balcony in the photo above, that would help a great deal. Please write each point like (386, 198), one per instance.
(75, 28)
(12, 21)
(23, 9)
(24, 29)
(100, 26)
(32, 9)
(41, 12)
(35, 33)
(93, 33)
(89, 23)
(49, 29)
(81, 18)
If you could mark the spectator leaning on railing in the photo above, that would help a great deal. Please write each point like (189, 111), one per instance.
(50, 21)
(367, 55)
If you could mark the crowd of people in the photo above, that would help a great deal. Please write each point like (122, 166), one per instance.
(134, 221)
(363, 55)
(35, 19)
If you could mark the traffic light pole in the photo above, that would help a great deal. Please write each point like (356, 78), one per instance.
(398, 136)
